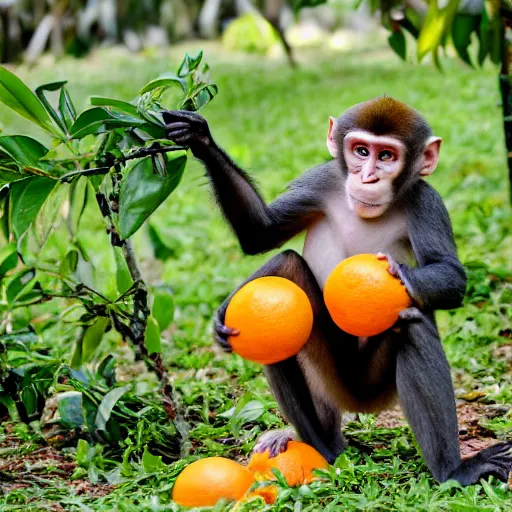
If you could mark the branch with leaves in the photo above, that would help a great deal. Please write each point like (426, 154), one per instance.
(117, 153)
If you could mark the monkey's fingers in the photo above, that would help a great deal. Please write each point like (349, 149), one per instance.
(176, 126)
(224, 344)
(180, 115)
(393, 265)
(224, 330)
(274, 442)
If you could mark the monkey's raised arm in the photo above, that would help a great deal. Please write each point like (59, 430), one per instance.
(439, 281)
(259, 227)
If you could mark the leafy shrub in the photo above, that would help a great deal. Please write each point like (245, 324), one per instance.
(250, 33)
(114, 156)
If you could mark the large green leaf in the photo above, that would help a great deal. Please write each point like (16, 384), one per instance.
(78, 191)
(17, 96)
(97, 120)
(123, 278)
(122, 106)
(26, 153)
(152, 338)
(27, 197)
(70, 409)
(143, 191)
(462, 28)
(107, 406)
(436, 24)
(163, 306)
(165, 81)
(8, 259)
(92, 337)
(397, 42)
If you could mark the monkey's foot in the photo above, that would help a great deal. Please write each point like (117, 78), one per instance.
(495, 460)
(275, 441)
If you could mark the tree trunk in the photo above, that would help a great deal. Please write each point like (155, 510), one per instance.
(506, 98)
(209, 19)
(272, 13)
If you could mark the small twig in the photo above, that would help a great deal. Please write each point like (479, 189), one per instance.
(84, 172)
(155, 149)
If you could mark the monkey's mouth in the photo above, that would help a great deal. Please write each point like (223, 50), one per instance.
(364, 203)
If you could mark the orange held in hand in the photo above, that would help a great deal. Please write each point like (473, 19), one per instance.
(206, 481)
(363, 298)
(296, 464)
(274, 318)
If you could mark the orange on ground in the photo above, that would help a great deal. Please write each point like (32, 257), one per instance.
(363, 298)
(274, 318)
(206, 481)
(296, 464)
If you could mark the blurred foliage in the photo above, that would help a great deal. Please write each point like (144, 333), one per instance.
(115, 152)
(250, 33)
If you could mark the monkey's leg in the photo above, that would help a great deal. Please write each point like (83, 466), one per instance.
(316, 421)
(427, 398)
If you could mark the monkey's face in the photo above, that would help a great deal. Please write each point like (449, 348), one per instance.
(373, 163)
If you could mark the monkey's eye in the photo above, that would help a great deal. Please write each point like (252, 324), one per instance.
(361, 151)
(386, 156)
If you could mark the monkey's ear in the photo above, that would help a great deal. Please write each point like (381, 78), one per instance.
(430, 156)
(331, 143)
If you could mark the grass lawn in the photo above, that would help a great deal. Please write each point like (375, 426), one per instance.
(273, 122)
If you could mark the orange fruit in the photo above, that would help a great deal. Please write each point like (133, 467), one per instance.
(296, 464)
(363, 298)
(206, 481)
(274, 318)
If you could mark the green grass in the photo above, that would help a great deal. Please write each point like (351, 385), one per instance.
(273, 122)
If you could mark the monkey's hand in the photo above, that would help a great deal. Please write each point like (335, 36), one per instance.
(187, 129)
(275, 441)
(407, 315)
(221, 332)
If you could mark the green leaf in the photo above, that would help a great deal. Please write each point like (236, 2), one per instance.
(66, 108)
(143, 191)
(497, 41)
(52, 87)
(107, 405)
(166, 80)
(189, 64)
(20, 284)
(123, 277)
(8, 259)
(151, 463)
(69, 264)
(397, 42)
(78, 192)
(163, 306)
(93, 336)
(152, 338)
(97, 120)
(484, 37)
(17, 96)
(435, 26)
(27, 197)
(70, 409)
(250, 412)
(26, 153)
(122, 106)
(462, 28)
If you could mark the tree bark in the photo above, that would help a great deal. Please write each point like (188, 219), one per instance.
(506, 98)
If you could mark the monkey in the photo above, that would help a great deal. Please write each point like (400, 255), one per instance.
(371, 197)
